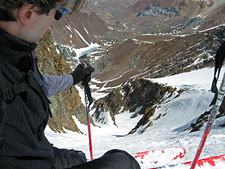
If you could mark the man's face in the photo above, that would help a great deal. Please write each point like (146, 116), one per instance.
(29, 25)
(38, 25)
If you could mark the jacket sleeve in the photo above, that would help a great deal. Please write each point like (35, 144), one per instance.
(51, 84)
(55, 84)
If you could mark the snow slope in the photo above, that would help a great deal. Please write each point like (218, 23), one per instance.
(168, 131)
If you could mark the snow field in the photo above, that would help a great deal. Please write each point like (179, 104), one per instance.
(167, 131)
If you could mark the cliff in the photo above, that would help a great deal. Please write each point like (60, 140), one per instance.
(136, 96)
(66, 104)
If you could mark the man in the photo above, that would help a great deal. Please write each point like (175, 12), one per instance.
(24, 109)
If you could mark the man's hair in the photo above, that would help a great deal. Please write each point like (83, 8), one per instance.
(7, 6)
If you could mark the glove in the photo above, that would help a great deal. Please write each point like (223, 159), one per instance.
(82, 72)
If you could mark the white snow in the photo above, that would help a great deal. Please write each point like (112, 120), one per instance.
(86, 30)
(167, 131)
(68, 27)
(86, 50)
(81, 36)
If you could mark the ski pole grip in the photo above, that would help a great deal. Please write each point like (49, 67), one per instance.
(87, 91)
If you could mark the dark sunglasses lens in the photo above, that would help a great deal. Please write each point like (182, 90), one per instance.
(58, 15)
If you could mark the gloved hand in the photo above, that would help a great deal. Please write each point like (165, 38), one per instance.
(82, 72)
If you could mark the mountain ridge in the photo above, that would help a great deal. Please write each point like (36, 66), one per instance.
(161, 58)
(157, 14)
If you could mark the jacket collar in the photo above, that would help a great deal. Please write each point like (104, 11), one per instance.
(13, 49)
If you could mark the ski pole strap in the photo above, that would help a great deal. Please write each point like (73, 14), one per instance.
(87, 91)
(219, 58)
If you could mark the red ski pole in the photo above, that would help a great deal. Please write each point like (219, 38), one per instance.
(89, 98)
(90, 140)
(211, 119)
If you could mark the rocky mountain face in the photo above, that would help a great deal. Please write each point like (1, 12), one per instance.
(80, 29)
(138, 97)
(67, 103)
(158, 56)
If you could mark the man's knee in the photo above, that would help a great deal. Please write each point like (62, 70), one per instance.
(122, 159)
(113, 159)
(67, 158)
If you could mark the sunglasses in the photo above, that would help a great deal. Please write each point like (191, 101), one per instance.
(60, 13)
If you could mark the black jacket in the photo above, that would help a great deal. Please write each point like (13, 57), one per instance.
(25, 145)
(27, 114)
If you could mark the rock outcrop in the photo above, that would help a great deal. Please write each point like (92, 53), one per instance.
(137, 96)
(205, 116)
(66, 104)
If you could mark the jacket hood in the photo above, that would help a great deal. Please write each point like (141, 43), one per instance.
(12, 49)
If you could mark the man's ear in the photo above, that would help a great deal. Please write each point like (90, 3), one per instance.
(26, 13)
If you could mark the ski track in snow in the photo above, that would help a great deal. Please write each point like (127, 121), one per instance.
(168, 131)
